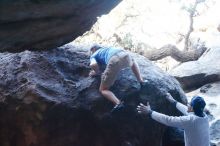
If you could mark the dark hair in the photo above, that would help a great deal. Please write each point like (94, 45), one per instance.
(95, 46)
(198, 104)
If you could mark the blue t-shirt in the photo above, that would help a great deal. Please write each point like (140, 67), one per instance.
(103, 55)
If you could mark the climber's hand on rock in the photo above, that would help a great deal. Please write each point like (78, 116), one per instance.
(170, 98)
(92, 73)
(144, 109)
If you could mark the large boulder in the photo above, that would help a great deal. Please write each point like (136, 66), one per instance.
(173, 137)
(47, 99)
(195, 74)
(36, 24)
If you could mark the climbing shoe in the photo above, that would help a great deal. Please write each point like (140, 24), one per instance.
(118, 107)
(143, 84)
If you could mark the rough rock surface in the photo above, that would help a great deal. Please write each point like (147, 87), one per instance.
(194, 74)
(36, 24)
(215, 132)
(173, 137)
(47, 99)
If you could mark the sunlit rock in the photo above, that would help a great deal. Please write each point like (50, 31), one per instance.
(194, 74)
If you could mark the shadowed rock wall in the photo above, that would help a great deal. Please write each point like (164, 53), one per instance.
(47, 99)
(37, 24)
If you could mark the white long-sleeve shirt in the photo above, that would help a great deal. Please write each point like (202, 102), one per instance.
(196, 129)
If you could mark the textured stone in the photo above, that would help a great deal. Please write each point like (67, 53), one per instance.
(36, 24)
(47, 99)
(173, 137)
(215, 132)
(195, 74)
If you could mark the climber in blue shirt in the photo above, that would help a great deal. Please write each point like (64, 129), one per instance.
(112, 60)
